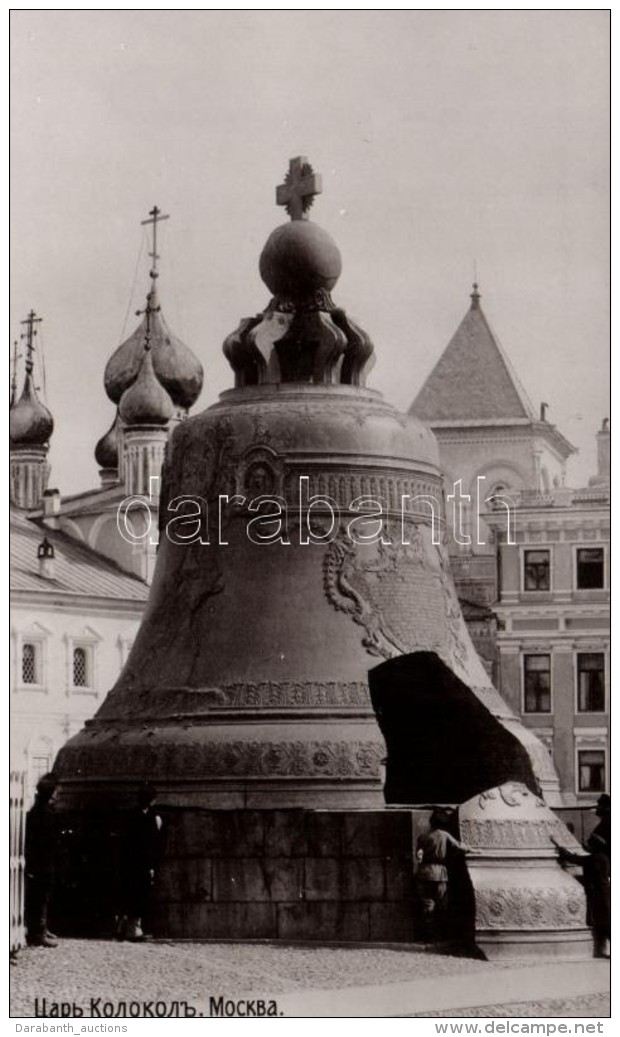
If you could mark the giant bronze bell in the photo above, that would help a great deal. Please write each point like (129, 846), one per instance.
(302, 546)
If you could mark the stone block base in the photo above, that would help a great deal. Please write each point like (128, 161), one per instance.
(323, 875)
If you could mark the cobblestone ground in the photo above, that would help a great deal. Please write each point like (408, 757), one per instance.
(78, 970)
(595, 1005)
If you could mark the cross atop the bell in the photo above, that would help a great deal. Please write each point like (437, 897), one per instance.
(300, 186)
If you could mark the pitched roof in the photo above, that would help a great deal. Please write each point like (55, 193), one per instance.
(78, 570)
(473, 379)
(95, 501)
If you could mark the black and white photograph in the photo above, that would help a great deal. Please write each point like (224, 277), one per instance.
(309, 479)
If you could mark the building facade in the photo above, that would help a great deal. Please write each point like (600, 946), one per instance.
(74, 616)
(553, 640)
(527, 549)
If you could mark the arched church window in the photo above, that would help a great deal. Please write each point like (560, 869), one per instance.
(30, 667)
(81, 675)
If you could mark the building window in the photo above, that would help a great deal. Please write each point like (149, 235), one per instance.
(590, 568)
(30, 663)
(590, 682)
(81, 668)
(536, 571)
(591, 770)
(537, 683)
(81, 661)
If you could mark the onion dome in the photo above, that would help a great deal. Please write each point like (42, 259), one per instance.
(30, 422)
(146, 402)
(106, 451)
(175, 366)
(302, 336)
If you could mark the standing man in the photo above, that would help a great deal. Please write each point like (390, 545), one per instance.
(40, 851)
(432, 875)
(141, 852)
(599, 874)
(596, 863)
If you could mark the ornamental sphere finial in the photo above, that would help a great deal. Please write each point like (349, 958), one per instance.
(299, 258)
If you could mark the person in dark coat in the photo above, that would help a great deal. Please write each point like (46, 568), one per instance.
(598, 877)
(141, 851)
(40, 852)
(596, 863)
(433, 851)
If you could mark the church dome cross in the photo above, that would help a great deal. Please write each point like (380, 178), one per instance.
(155, 216)
(29, 335)
(16, 357)
(175, 366)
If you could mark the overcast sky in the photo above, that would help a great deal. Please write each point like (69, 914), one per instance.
(442, 137)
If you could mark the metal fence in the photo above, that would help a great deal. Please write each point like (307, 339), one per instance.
(17, 833)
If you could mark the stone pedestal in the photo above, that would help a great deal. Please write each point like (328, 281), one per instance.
(316, 875)
(525, 903)
(287, 875)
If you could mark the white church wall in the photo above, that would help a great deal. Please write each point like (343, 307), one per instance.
(63, 663)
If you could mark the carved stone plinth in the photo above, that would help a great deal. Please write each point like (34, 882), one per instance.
(526, 903)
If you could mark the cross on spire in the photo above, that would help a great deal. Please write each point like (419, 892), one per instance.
(29, 335)
(300, 186)
(147, 312)
(16, 357)
(155, 218)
